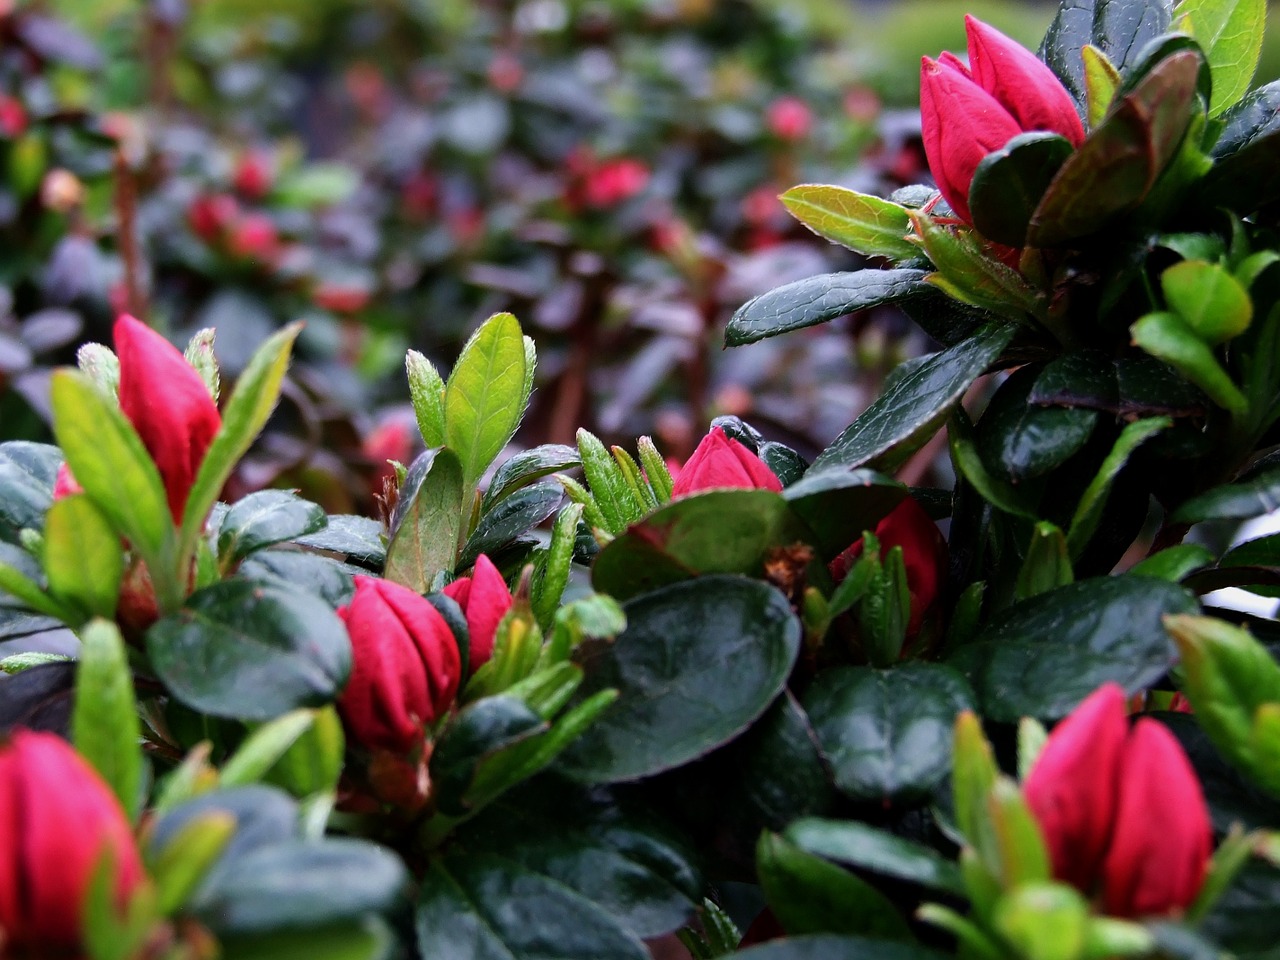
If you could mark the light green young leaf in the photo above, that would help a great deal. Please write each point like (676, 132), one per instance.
(1230, 32)
(104, 724)
(426, 390)
(83, 559)
(866, 224)
(484, 398)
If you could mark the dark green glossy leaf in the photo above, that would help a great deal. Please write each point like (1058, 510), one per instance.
(838, 506)
(1119, 28)
(358, 537)
(479, 732)
(299, 884)
(913, 407)
(291, 570)
(944, 319)
(886, 734)
(1024, 440)
(1120, 161)
(1234, 501)
(718, 531)
(1246, 921)
(786, 464)
(38, 698)
(524, 468)
(669, 665)
(804, 303)
(27, 473)
(265, 518)
(1043, 656)
(613, 854)
(511, 518)
(828, 947)
(1246, 169)
(863, 846)
(485, 907)
(1008, 184)
(1131, 386)
(264, 817)
(251, 651)
(426, 521)
(1232, 798)
(811, 895)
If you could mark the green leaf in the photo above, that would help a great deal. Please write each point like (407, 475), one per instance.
(369, 939)
(483, 398)
(1119, 29)
(300, 884)
(1130, 386)
(836, 506)
(1047, 565)
(814, 300)
(27, 474)
(550, 588)
(265, 518)
(243, 418)
(481, 730)
(526, 468)
(427, 520)
(1245, 175)
(811, 895)
(25, 661)
(718, 531)
(613, 853)
(620, 506)
(426, 390)
(1044, 921)
(971, 274)
(1041, 657)
(251, 651)
(511, 518)
(20, 577)
(1230, 31)
(358, 537)
(865, 224)
(1121, 159)
(1020, 439)
(110, 462)
(1228, 677)
(830, 947)
(1101, 80)
(1167, 337)
(1209, 299)
(1242, 500)
(1084, 523)
(263, 748)
(1008, 184)
(864, 847)
(913, 408)
(187, 857)
(672, 708)
(1174, 563)
(316, 185)
(83, 559)
(886, 734)
(995, 489)
(485, 907)
(104, 724)
(312, 763)
(1020, 849)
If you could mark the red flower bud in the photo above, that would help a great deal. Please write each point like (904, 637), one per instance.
(64, 484)
(721, 462)
(615, 181)
(210, 216)
(1072, 787)
(1163, 837)
(924, 554)
(252, 177)
(406, 668)
(168, 404)
(967, 113)
(485, 600)
(13, 118)
(58, 821)
(341, 297)
(254, 237)
(789, 118)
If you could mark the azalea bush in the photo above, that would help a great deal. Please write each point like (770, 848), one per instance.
(595, 701)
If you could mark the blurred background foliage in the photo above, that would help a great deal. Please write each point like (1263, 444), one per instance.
(393, 171)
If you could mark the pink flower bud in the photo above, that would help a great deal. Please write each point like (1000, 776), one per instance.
(789, 118)
(341, 297)
(1072, 787)
(168, 404)
(252, 178)
(615, 181)
(969, 112)
(721, 462)
(924, 554)
(58, 822)
(485, 599)
(254, 237)
(64, 484)
(13, 118)
(1163, 837)
(406, 668)
(210, 216)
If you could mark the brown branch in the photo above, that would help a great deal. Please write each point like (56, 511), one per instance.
(126, 202)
